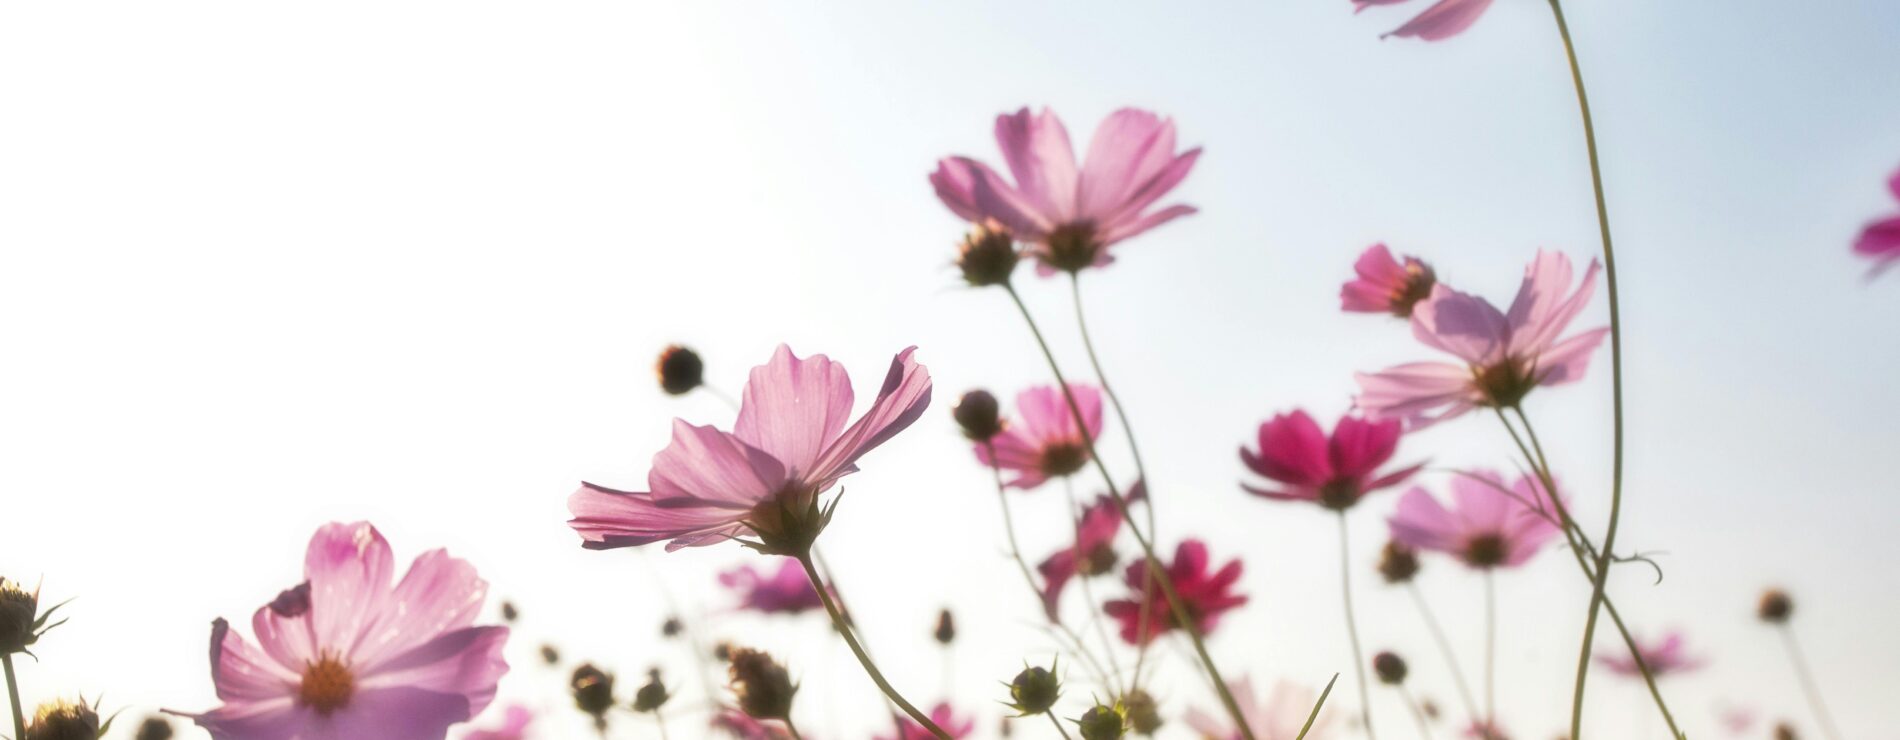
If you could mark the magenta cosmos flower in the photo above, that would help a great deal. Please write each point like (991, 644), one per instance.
(790, 444)
(1093, 552)
(1206, 595)
(1281, 717)
(513, 726)
(349, 654)
(1385, 284)
(1880, 241)
(1045, 442)
(786, 591)
(1663, 658)
(943, 716)
(1505, 354)
(1488, 526)
(1441, 21)
(1334, 473)
(1071, 216)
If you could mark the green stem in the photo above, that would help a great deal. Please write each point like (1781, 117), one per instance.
(1035, 590)
(1352, 628)
(1314, 715)
(1490, 649)
(792, 729)
(864, 659)
(13, 696)
(1156, 572)
(1088, 591)
(1616, 371)
(660, 719)
(1808, 685)
(1418, 715)
(1064, 732)
(1444, 647)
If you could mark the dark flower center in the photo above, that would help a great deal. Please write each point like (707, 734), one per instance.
(1485, 551)
(1418, 286)
(1506, 383)
(1072, 247)
(1339, 494)
(327, 685)
(1097, 561)
(1062, 458)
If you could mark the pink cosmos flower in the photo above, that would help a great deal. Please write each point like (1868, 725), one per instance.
(743, 727)
(786, 591)
(1386, 285)
(1485, 730)
(1047, 443)
(1333, 473)
(1444, 20)
(1880, 241)
(1486, 528)
(789, 444)
(1505, 355)
(1071, 216)
(1206, 595)
(1666, 657)
(1093, 552)
(514, 726)
(349, 654)
(943, 717)
(1281, 718)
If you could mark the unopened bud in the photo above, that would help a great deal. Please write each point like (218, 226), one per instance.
(508, 612)
(1775, 607)
(1144, 716)
(680, 370)
(987, 256)
(979, 415)
(1785, 731)
(550, 655)
(154, 728)
(64, 720)
(946, 631)
(672, 627)
(1103, 722)
(18, 614)
(593, 691)
(763, 687)
(1034, 691)
(651, 695)
(1390, 667)
(1398, 562)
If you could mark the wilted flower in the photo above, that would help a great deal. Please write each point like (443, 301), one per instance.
(1398, 563)
(1505, 354)
(1205, 595)
(942, 716)
(789, 445)
(1047, 443)
(1665, 657)
(348, 653)
(1333, 472)
(1034, 691)
(786, 591)
(978, 414)
(680, 370)
(1093, 553)
(1775, 607)
(1281, 718)
(1103, 722)
(1880, 241)
(762, 686)
(64, 720)
(1386, 285)
(1389, 667)
(1070, 215)
(1486, 528)
(513, 726)
(1443, 20)
(593, 691)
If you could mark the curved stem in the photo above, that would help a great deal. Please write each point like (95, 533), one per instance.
(1159, 575)
(1352, 628)
(1418, 715)
(13, 696)
(1035, 590)
(864, 659)
(1444, 647)
(721, 395)
(1064, 732)
(792, 729)
(1490, 649)
(1616, 370)
(1808, 685)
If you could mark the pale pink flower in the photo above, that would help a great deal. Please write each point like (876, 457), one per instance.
(1093, 553)
(1505, 354)
(1489, 525)
(1880, 241)
(1071, 216)
(1045, 442)
(1664, 657)
(1443, 20)
(1280, 718)
(786, 591)
(1205, 595)
(743, 727)
(513, 726)
(1386, 285)
(943, 716)
(350, 654)
(789, 445)
(1334, 473)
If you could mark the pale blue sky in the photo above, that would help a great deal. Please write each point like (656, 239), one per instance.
(268, 266)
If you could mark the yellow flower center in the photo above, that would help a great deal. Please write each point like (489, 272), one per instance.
(327, 685)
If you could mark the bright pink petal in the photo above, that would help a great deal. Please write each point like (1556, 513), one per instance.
(1017, 453)
(1880, 240)
(1482, 505)
(349, 567)
(1466, 326)
(395, 713)
(1293, 450)
(1380, 275)
(1056, 572)
(1047, 417)
(1442, 21)
(1360, 446)
(607, 519)
(1566, 361)
(794, 407)
(1042, 160)
(1893, 185)
(709, 467)
(279, 719)
(1541, 312)
(903, 397)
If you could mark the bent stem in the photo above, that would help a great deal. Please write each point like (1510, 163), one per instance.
(864, 659)
(1444, 646)
(13, 696)
(1616, 372)
(1808, 685)
(1352, 628)
(1155, 571)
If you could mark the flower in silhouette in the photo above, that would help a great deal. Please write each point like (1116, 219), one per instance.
(1069, 215)
(1045, 442)
(1505, 354)
(1386, 285)
(785, 591)
(1279, 718)
(1206, 595)
(790, 444)
(1332, 472)
(1093, 553)
(349, 653)
(1880, 241)
(1443, 20)
(1663, 657)
(1488, 526)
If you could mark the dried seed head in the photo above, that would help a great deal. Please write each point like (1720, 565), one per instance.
(593, 691)
(1397, 562)
(763, 687)
(64, 720)
(1776, 607)
(979, 415)
(1390, 667)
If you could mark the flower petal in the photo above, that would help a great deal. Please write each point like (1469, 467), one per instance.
(607, 519)
(706, 466)
(903, 397)
(1042, 160)
(1466, 326)
(1442, 21)
(1293, 450)
(1566, 361)
(793, 408)
(465, 662)
(1129, 147)
(439, 594)
(349, 567)
(1360, 446)
(1424, 523)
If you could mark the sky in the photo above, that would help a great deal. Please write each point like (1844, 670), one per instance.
(268, 266)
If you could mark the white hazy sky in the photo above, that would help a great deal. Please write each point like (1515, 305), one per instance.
(269, 265)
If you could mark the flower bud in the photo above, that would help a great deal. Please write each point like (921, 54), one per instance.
(550, 655)
(987, 255)
(1397, 562)
(762, 686)
(1034, 691)
(651, 695)
(672, 627)
(593, 692)
(1103, 723)
(1390, 667)
(1775, 607)
(946, 631)
(1144, 716)
(508, 612)
(979, 415)
(18, 610)
(680, 370)
(1785, 731)
(64, 720)
(154, 728)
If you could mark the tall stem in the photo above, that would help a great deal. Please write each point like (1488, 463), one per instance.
(1616, 371)
(1808, 685)
(1156, 572)
(13, 696)
(1418, 715)
(1352, 628)
(660, 719)
(1088, 591)
(1490, 649)
(1444, 647)
(864, 659)
(1035, 590)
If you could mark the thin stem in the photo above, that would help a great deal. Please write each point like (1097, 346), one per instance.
(13, 696)
(1418, 715)
(1058, 723)
(1808, 684)
(1444, 646)
(792, 729)
(1029, 578)
(724, 397)
(1159, 575)
(1490, 648)
(1352, 628)
(864, 659)
(1616, 369)
(1088, 591)
(660, 719)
